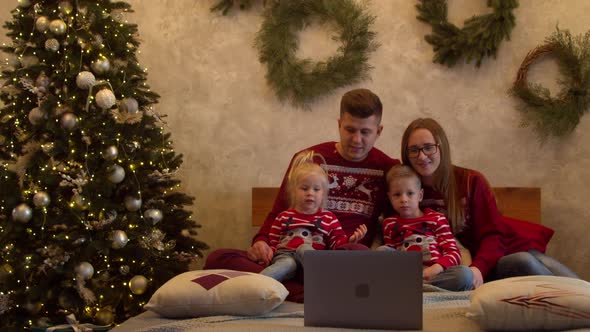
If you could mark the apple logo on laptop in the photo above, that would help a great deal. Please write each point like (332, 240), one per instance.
(362, 290)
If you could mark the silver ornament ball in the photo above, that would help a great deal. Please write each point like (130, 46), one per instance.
(52, 45)
(42, 23)
(138, 284)
(101, 66)
(116, 174)
(85, 80)
(42, 81)
(68, 121)
(153, 215)
(105, 99)
(58, 27)
(110, 153)
(129, 105)
(120, 239)
(41, 199)
(37, 116)
(22, 213)
(97, 41)
(132, 203)
(85, 270)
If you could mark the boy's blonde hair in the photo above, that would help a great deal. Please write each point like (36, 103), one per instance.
(401, 171)
(302, 166)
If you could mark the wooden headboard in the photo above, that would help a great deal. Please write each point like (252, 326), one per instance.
(516, 202)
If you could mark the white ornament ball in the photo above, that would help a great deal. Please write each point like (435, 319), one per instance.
(42, 23)
(52, 45)
(58, 27)
(129, 105)
(85, 270)
(116, 174)
(153, 215)
(132, 203)
(37, 116)
(68, 121)
(105, 99)
(22, 213)
(110, 153)
(101, 66)
(138, 284)
(85, 80)
(120, 239)
(41, 199)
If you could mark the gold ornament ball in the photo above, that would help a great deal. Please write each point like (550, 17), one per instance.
(104, 317)
(132, 203)
(22, 213)
(42, 23)
(24, 3)
(41, 199)
(37, 116)
(110, 153)
(52, 45)
(120, 239)
(138, 284)
(116, 174)
(58, 27)
(80, 202)
(85, 270)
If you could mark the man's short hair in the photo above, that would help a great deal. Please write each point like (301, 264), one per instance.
(361, 103)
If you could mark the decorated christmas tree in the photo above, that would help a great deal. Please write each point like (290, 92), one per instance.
(92, 220)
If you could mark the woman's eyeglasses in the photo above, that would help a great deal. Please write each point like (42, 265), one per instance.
(428, 150)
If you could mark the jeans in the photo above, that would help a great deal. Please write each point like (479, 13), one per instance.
(284, 263)
(455, 278)
(526, 263)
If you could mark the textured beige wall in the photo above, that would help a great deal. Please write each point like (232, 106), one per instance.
(234, 134)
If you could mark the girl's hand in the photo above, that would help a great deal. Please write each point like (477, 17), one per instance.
(431, 271)
(477, 277)
(358, 234)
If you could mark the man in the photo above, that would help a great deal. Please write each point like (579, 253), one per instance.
(358, 191)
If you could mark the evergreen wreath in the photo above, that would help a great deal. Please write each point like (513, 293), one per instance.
(479, 37)
(560, 115)
(301, 80)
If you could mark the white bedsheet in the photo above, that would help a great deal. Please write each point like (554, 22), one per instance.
(443, 311)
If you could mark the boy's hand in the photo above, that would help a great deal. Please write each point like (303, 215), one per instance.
(358, 234)
(431, 271)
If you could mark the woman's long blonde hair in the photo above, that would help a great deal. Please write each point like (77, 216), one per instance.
(302, 166)
(444, 176)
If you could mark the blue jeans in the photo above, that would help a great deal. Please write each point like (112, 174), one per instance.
(284, 263)
(455, 278)
(526, 263)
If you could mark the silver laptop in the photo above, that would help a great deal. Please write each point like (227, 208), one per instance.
(363, 289)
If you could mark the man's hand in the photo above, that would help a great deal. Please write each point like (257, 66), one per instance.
(358, 234)
(260, 252)
(431, 271)
(477, 277)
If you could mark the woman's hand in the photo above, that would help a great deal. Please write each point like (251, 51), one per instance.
(260, 252)
(358, 234)
(431, 271)
(477, 277)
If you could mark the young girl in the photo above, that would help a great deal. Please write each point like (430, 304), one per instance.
(305, 225)
(412, 229)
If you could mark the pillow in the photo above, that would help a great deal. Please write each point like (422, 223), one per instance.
(524, 235)
(217, 292)
(532, 303)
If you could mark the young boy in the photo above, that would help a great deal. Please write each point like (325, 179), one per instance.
(411, 229)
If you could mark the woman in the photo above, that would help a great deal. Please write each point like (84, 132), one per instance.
(468, 201)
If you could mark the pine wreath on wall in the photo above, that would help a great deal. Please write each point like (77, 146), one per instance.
(479, 37)
(556, 116)
(301, 80)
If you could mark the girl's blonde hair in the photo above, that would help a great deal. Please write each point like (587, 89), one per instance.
(303, 165)
(444, 175)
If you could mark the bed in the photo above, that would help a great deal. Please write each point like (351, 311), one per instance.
(443, 311)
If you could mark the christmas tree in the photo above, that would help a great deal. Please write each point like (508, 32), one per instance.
(92, 220)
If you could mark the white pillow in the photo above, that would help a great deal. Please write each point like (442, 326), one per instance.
(217, 292)
(532, 303)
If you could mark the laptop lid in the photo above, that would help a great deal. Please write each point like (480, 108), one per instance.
(363, 289)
